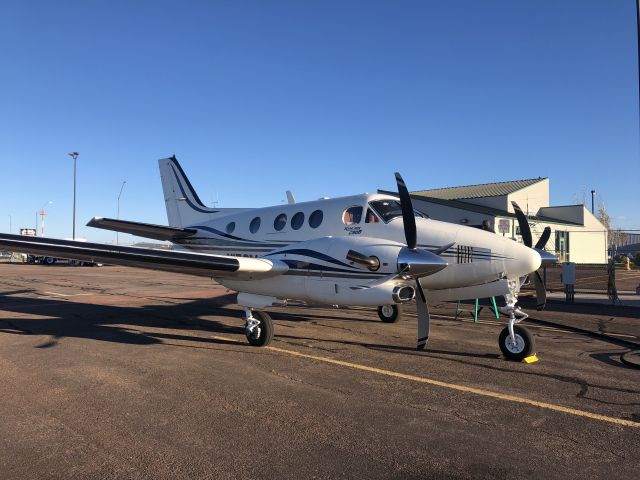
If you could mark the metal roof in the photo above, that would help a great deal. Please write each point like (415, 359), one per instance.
(470, 207)
(478, 191)
(494, 212)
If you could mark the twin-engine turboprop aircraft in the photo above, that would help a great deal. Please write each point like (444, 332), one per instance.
(363, 250)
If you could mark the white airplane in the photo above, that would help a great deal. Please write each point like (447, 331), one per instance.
(362, 250)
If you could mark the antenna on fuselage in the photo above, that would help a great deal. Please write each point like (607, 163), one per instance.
(290, 198)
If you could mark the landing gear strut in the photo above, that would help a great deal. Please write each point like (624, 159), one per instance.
(258, 327)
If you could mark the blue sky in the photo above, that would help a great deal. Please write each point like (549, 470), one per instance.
(323, 98)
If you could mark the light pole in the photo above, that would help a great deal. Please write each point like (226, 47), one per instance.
(10, 222)
(593, 203)
(74, 155)
(118, 215)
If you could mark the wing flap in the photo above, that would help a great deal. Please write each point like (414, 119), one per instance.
(147, 230)
(190, 263)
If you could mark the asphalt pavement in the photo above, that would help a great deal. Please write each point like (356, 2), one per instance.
(123, 373)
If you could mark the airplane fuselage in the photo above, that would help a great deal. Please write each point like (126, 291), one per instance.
(296, 233)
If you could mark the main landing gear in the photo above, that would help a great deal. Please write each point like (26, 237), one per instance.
(390, 313)
(258, 327)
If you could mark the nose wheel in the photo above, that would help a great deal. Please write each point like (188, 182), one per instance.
(258, 327)
(518, 346)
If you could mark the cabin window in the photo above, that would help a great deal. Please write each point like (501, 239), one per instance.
(280, 222)
(254, 226)
(352, 215)
(231, 226)
(371, 217)
(297, 221)
(315, 219)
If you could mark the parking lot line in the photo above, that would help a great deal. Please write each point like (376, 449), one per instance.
(453, 386)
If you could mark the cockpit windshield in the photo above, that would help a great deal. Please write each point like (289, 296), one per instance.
(390, 209)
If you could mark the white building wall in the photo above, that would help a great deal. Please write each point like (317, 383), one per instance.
(531, 198)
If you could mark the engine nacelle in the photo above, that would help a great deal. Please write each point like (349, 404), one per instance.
(331, 293)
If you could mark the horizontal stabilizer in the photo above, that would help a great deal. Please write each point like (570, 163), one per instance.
(191, 263)
(147, 230)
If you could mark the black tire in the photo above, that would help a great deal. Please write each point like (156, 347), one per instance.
(49, 260)
(525, 344)
(266, 330)
(390, 318)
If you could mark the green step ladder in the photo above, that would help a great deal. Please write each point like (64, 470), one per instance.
(477, 309)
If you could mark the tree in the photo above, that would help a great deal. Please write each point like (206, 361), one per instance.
(616, 236)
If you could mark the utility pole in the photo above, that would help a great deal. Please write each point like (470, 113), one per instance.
(74, 155)
(42, 214)
(593, 196)
(118, 215)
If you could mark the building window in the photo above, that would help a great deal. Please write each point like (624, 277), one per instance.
(315, 219)
(231, 226)
(297, 221)
(280, 222)
(254, 226)
(352, 215)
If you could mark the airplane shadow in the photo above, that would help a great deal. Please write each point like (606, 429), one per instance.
(110, 323)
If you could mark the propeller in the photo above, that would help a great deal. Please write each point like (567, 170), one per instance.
(412, 262)
(547, 258)
(417, 263)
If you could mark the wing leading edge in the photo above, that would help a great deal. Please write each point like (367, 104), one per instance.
(200, 264)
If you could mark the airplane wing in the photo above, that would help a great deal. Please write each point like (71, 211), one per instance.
(147, 230)
(191, 263)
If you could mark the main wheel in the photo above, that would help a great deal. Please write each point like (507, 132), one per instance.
(523, 347)
(390, 313)
(262, 333)
(49, 260)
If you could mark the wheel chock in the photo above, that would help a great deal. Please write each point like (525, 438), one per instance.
(530, 359)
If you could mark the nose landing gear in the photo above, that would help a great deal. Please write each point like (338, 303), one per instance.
(516, 342)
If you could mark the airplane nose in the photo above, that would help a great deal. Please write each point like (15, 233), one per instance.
(524, 260)
(530, 260)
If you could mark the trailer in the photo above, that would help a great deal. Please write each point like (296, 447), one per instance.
(45, 260)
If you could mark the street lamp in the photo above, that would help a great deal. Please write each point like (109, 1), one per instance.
(74, 155)
(118, 216)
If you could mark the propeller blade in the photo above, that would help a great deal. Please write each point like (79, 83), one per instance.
(372, 263)
(541, 291)
(544, 238)
(424, 318)
(408, 216)
(525, 230)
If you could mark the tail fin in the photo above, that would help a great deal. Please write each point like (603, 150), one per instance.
(184, 207)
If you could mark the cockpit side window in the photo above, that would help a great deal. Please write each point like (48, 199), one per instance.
(371, 217)
(352, 215)
(390, 209)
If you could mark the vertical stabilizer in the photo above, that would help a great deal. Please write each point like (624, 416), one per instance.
(184, 207)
